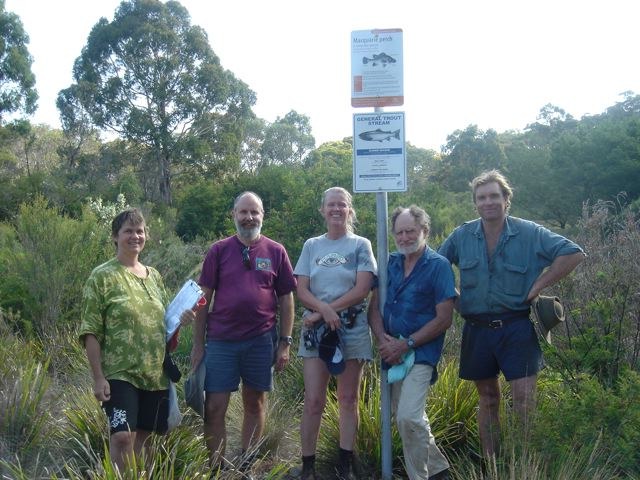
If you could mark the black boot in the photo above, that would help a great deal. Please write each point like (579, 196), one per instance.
(345, 469)
(308, 468)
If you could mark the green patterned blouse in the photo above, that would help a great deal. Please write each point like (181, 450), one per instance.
(126, 315)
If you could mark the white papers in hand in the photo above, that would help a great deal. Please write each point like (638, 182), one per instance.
(186, 298)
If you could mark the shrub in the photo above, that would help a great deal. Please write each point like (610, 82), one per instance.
(589, 413)
(52, 258)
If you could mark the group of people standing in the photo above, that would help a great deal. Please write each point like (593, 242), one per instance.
(246, 331)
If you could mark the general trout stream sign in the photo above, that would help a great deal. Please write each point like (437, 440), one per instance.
(379, 160)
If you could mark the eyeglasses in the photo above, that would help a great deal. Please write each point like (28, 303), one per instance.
(246, 261)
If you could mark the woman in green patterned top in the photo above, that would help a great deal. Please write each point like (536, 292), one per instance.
(123, 331)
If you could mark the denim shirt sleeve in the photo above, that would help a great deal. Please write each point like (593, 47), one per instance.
(411, 302)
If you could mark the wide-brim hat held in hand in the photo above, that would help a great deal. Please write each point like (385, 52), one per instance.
(547, 313)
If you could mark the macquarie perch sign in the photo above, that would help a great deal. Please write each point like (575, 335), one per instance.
(379, 160)
(376, 68)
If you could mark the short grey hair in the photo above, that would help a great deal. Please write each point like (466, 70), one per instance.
(422, 218)
(244, 194)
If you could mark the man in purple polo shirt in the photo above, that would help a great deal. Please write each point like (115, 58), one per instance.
(252, 278)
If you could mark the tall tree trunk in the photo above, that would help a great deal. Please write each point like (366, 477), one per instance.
(164, 163)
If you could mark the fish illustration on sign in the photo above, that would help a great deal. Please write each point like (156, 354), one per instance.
(379, 135)
(381, 58)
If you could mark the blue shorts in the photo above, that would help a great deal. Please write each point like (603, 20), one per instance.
(229, 361)
(512, 349)
(131, 409)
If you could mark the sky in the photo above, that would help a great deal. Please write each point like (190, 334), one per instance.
(491, 63)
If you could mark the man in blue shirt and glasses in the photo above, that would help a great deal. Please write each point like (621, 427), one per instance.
(504, 263)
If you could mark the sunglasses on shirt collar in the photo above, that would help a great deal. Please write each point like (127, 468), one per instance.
(246, 260)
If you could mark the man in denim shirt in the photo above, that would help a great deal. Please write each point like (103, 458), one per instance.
(503, 264)
(417, 312)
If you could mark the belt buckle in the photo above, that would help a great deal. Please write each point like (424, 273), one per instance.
(495, 323)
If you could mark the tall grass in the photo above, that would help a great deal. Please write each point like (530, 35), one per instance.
(73, 442)
(23, 416)
(451, 408)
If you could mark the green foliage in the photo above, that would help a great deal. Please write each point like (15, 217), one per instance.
(83, 432)
(175, 260)
(467, 153)
(452, 409)
(151, 76)
(602, 334)
(203, 210)
(598, 156)
(51, 259)
(585, 462)
(106, 212)
(287, 140)
(590, 413)
(23, 415)
(17, 84)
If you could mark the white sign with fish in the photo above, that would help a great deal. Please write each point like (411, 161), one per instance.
(376, 68)
(379, 154)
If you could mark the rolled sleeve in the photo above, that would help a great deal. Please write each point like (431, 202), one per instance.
(92, 321)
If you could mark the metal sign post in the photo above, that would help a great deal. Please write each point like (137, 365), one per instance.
(379, 163)
(382, 213)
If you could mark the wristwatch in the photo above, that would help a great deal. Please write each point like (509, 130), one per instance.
(411, 342)
(286, 339)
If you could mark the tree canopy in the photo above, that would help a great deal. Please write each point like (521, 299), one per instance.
(152, 77)
(17, 81)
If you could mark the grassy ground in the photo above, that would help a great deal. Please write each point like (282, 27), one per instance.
(51, 427)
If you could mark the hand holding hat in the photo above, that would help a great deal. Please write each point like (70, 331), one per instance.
(399, 371)
(329, 350)
(547, 312)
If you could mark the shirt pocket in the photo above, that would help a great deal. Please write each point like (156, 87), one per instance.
(514, 279)
(469, 273)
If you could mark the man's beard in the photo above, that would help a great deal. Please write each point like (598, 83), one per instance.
(413, 248)
(248, 233)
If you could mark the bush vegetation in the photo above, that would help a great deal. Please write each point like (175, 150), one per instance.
(51, 426)
(183, 153)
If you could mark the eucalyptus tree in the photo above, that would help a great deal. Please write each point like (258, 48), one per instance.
(467, 153)
(151, 77)
(559, 163)
(17, 81)
(287, 140)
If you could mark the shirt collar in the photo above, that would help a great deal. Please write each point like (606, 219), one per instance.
(510, 228)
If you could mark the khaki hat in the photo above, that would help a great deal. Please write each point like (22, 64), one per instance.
(547, 313)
